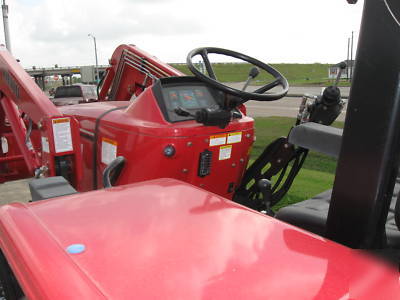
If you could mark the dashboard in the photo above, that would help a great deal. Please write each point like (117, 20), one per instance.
(185, 93)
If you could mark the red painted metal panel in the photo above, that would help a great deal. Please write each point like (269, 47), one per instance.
(73, 155)
(11, 169)
(132, 69)
(164, 239)
(141, 133)
(11, 158)
(19, 131)
(37, 266)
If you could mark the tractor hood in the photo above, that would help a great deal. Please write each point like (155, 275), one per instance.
(164, 239)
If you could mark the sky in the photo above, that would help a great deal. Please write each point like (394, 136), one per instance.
(48, 32)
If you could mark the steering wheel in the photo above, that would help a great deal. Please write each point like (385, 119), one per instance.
(211, 79)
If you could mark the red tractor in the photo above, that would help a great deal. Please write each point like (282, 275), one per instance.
(176, 150)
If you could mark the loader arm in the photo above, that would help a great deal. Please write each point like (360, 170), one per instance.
(34, 133)
(131, 71)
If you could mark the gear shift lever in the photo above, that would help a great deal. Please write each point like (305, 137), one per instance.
(265, 187)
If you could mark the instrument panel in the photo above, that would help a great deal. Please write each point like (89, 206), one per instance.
(187, 95)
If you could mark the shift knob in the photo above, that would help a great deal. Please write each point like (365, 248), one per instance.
(265, 188)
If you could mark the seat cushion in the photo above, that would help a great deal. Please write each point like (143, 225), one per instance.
(312, 214)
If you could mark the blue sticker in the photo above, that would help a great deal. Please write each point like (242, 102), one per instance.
(76, 248)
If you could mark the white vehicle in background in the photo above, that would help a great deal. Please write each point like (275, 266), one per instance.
(74, 94)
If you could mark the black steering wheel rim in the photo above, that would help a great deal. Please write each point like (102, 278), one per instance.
(212, 80)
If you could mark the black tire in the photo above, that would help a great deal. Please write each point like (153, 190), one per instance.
(9, 287)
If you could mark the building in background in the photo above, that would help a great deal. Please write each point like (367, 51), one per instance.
(346, 74)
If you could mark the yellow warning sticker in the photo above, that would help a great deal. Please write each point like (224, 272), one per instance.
(110, 141)
(225, 152)
(61, 120)
(108, 150)
(217, 140)
(234, 137)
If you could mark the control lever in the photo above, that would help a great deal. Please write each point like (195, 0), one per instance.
(254, 71)
(213, 117)
(183, 112)
(342, 66)
(210, 117)
(266, 189)
(325, 108)
(112, 171)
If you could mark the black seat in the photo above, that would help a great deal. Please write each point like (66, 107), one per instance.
(312, 215)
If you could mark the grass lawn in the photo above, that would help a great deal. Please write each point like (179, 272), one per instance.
(296, 74)
(318, 171)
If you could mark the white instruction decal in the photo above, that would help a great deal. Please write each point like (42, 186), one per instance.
(108, 150)
(4, 145)
(216, 140)
(62, 135)
(45, 145)
(225, 152)
(234, 137)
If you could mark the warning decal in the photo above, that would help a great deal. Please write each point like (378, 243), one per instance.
(108, 150)
(225, 152)
(234, 137)
(4, 145)
(216, 140)
(45, 145)
(62, 135)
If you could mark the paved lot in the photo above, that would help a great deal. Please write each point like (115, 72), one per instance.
(313, 90)
(285, 107)
(14, 191)
(288, 107)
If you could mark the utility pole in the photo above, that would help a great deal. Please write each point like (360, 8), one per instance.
(351, 56)
(348, 57)
(4, 8)
(95, 54)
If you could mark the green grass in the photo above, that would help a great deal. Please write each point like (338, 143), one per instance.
(318, 171)
(297, 74)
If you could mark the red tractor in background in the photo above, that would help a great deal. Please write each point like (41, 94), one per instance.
(181, 237)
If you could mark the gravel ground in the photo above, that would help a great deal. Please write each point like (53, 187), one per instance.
(14, 191)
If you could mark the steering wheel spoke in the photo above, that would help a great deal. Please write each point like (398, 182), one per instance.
(209, 68)
(211, 79)
(268, 86)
